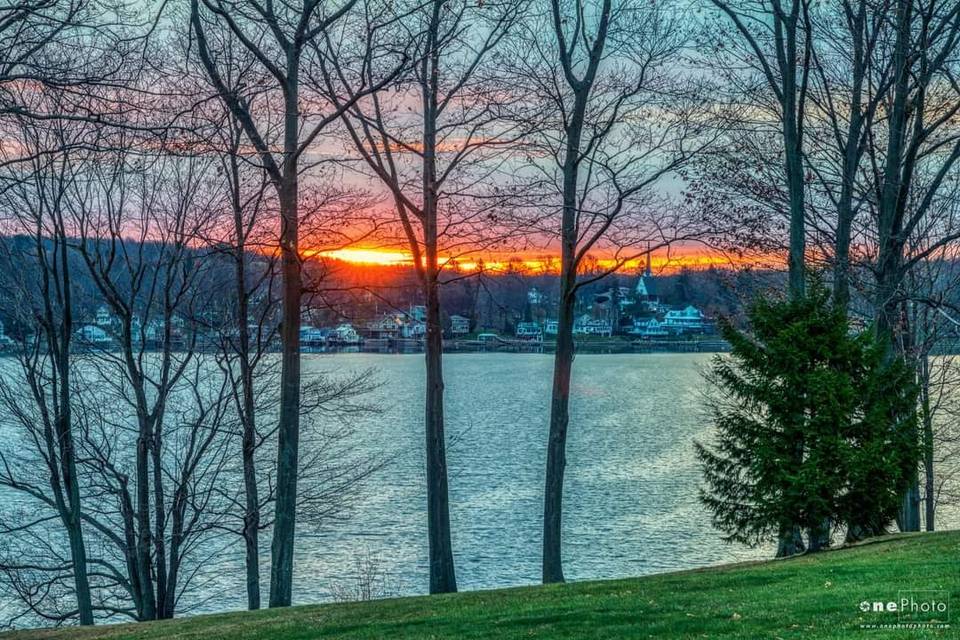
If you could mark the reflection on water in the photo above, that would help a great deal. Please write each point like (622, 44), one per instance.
(630, 504)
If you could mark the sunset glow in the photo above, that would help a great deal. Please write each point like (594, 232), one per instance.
(382, 257)
(374, 256)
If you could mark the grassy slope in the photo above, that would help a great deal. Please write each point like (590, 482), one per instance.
(806, 597)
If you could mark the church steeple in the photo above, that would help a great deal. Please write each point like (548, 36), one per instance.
(648, 270)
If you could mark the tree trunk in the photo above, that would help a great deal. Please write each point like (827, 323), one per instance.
(73, 521)
(819, 538)
(251, 513)
(563, 358)
(81, 581)
(841, 267)
(790, 542)
(852, 153)
(281, 574)
(251, 518)
(910, 511)
(557, 442)
(68, 457)
(793, 109)
(791, 538)
(148, 609)
(160, 526)
(927, 419)
(797, 272)
(442, 572)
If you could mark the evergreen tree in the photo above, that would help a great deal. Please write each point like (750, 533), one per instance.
(813, 426)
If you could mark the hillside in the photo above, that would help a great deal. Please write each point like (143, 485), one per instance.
(806, 597)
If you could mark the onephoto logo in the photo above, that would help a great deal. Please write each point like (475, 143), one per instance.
(915, 609)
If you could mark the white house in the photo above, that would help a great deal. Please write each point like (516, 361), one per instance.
(344, 334)
(529, 331)
(586, 325)
(459, 325)
(689, 319)
(649, 328)
(92, 334)
(389, 325)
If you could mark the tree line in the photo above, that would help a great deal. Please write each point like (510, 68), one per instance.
(192, 158)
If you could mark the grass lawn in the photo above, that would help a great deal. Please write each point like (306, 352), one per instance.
(806, 597)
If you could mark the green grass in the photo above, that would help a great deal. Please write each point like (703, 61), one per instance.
(805, 597)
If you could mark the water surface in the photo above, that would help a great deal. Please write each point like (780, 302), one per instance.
(630, 504)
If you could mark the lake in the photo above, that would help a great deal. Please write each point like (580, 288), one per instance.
(630, 504)
(631, 493)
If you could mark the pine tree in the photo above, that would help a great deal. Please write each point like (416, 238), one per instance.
(813, 427)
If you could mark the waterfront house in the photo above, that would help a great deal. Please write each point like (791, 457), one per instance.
(647, 293)
(649, 328)
(459, 325)
(344, 334)
(687, 320)
(590, 326)
(91, 334)
(413, 329)
(312, 336)
(529, 331)
(389, 326)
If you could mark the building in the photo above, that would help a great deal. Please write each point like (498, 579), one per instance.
(413, 329)
(103, 318)
(590, 326)
(649, 328)
(646, 290)
(418, 312)
(529, 331)
(389, 326)
(312, 336)
(688, 320)
(459, 325)
(344, 334)
(92, 334)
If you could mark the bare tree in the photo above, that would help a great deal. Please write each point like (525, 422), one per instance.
(278, 37)
(931, 313)
(432, 163)
(40, 298)
(248, 337)
(776, 38)
(145, 414)
(136, 220)
(619, 126)
(245, 325)
(912, 157)
(852, 75)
